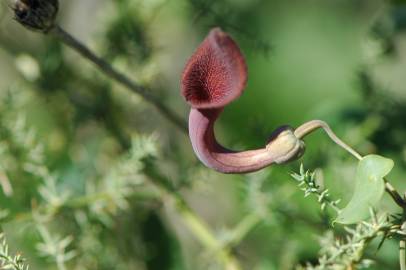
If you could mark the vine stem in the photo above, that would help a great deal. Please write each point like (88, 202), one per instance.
(105, 67)
(402, 242)
(310, 126)
(402, 247)
(402, 256)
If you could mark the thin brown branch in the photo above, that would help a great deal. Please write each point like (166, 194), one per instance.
(394, 194)
(116, 75)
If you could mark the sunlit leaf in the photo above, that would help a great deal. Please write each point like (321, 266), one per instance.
(369, 188)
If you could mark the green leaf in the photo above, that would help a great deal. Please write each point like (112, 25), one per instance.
(369, 188)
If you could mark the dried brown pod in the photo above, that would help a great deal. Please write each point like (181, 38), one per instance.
(38, 15)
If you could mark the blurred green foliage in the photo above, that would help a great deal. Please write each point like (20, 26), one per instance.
(88, 171)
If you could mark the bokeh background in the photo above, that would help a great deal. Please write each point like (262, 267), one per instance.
(83, 160)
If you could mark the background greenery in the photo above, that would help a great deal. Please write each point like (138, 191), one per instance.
(93, 177)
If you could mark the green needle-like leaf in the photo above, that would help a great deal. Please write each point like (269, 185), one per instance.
(369, 188)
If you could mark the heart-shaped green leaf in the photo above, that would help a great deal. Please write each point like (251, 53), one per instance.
(369, 188)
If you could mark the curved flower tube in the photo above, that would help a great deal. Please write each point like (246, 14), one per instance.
(215, 76)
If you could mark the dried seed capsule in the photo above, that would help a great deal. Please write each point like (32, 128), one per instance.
(38, 15)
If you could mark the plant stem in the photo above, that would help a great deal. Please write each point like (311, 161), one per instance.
(204, 235)
(60, 263)
(402, 256)
(402, 247)
(192, 221)
(243, 228)
(310, 126)
(394, 194)
(121, 78)
(402, 242)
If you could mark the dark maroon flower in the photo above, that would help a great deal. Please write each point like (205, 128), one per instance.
(215, 76)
